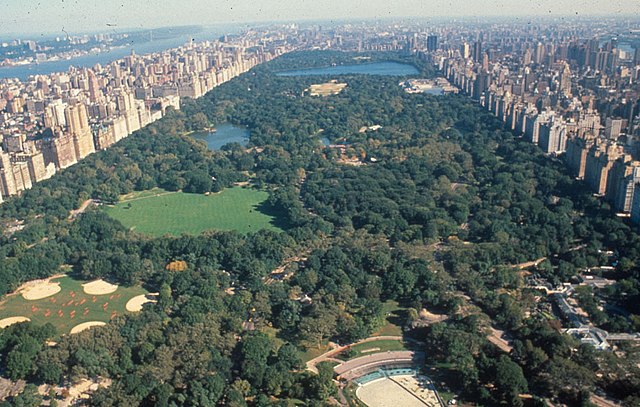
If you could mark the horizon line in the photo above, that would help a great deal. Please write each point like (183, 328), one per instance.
(337, 21)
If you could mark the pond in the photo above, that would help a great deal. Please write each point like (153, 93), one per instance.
(225, 133)
(375, 68)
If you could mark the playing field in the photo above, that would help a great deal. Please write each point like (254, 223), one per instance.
(404, 390)
(159, 212)
(68, 306)
(326, 89)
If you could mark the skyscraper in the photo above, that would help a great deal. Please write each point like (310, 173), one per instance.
(432, 43)
(477, 51)
(635, 205)
(553, 136)
(79, 130)
(565, 80)
(465, 52)
(622, 179)
(95, 93)
(539, 54)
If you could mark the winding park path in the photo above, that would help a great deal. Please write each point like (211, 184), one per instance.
(603, 402)
(125, 200)
(336, 349)
(76, 212)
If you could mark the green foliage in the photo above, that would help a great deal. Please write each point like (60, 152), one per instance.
(448, 204)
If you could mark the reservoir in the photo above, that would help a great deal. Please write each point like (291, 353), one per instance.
(225, 133)
(375, 68)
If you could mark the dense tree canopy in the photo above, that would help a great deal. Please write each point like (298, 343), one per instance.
(430, 210)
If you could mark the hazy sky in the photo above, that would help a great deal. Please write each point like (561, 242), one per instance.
(48, 16)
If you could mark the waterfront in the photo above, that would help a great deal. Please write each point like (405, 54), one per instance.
(22, 72)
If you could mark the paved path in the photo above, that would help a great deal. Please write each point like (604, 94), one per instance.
(74, 213)
(336, 349)
(528, 264)
(603, 402)
(496, 337)
(148, 196)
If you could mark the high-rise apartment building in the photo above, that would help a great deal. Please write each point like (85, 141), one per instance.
(552, 136)
(600, 160)
(432, 43)
(622, 179)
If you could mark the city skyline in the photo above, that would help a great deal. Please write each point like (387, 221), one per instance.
(36, 17)
(454, 197)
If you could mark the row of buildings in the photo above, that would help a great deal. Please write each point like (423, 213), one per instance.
(50, 122)
(574, 98)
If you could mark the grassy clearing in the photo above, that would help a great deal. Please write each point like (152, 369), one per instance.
(157, 212)
(57, 309)
(314, 352)
(272, 333)
(395, 316)
(372, 347)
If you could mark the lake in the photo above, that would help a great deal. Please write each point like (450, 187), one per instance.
(375, 68)
(225, 133)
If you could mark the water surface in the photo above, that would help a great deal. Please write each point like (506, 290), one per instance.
(375, 68)
(225, 133)
(22, 72)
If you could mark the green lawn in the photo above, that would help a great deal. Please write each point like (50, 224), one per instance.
(314, 352)
(272, 333)
(369, 348)
(349, 393)
(158, 212)
(395, 316)
(86, 309)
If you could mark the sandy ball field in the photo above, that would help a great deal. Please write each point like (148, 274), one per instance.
(135, 304)
(86, 325)
(13, 320)
(386, 393)
(99, 287)
(40, 289)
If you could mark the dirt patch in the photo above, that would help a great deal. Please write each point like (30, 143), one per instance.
(326, 89)
(81, 390)
(86, 325)
(13, 320)
(9, 388)
(39, 289)
(99, 287)
(497, 338)
(135, 304)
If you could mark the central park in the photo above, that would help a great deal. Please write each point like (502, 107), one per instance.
(277, 259)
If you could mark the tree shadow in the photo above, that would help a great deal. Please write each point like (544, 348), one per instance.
(398, 318)
(279, 218)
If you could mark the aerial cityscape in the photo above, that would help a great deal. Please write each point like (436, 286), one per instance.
(320, 204)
